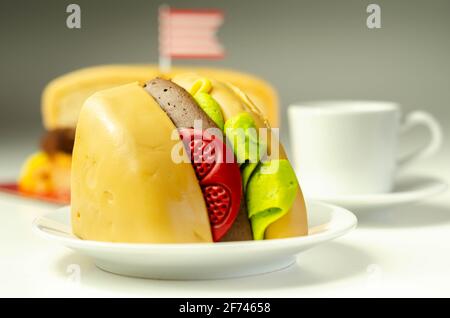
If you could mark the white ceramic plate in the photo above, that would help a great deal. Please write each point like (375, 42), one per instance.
(200, 260)
(407, 190)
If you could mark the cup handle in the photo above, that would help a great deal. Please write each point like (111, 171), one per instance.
(412, 120)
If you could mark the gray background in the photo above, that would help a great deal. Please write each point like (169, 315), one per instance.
(308, 49)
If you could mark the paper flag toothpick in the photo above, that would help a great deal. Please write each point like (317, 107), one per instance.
(188, 33)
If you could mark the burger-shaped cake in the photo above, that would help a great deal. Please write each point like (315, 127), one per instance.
(46, 173)
(184, 160)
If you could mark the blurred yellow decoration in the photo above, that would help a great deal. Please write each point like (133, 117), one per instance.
(46, 175)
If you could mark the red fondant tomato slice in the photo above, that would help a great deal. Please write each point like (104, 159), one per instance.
(219, 177)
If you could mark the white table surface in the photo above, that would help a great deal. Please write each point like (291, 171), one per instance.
(402, 252)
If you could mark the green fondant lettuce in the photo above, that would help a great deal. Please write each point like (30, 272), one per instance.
(210, 107)
(242, 134)
(270, 196)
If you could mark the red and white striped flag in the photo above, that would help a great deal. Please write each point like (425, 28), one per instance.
(189, 33)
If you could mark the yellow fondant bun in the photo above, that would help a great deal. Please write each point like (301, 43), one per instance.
(125, 186)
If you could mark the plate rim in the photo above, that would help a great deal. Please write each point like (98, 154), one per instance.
(285, 242)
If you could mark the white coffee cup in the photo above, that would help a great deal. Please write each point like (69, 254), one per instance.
(350, 147)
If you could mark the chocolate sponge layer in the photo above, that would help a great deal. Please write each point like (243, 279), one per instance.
(58, 140)
(241, 229)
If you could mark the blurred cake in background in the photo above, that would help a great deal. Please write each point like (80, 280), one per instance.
(47, 172)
